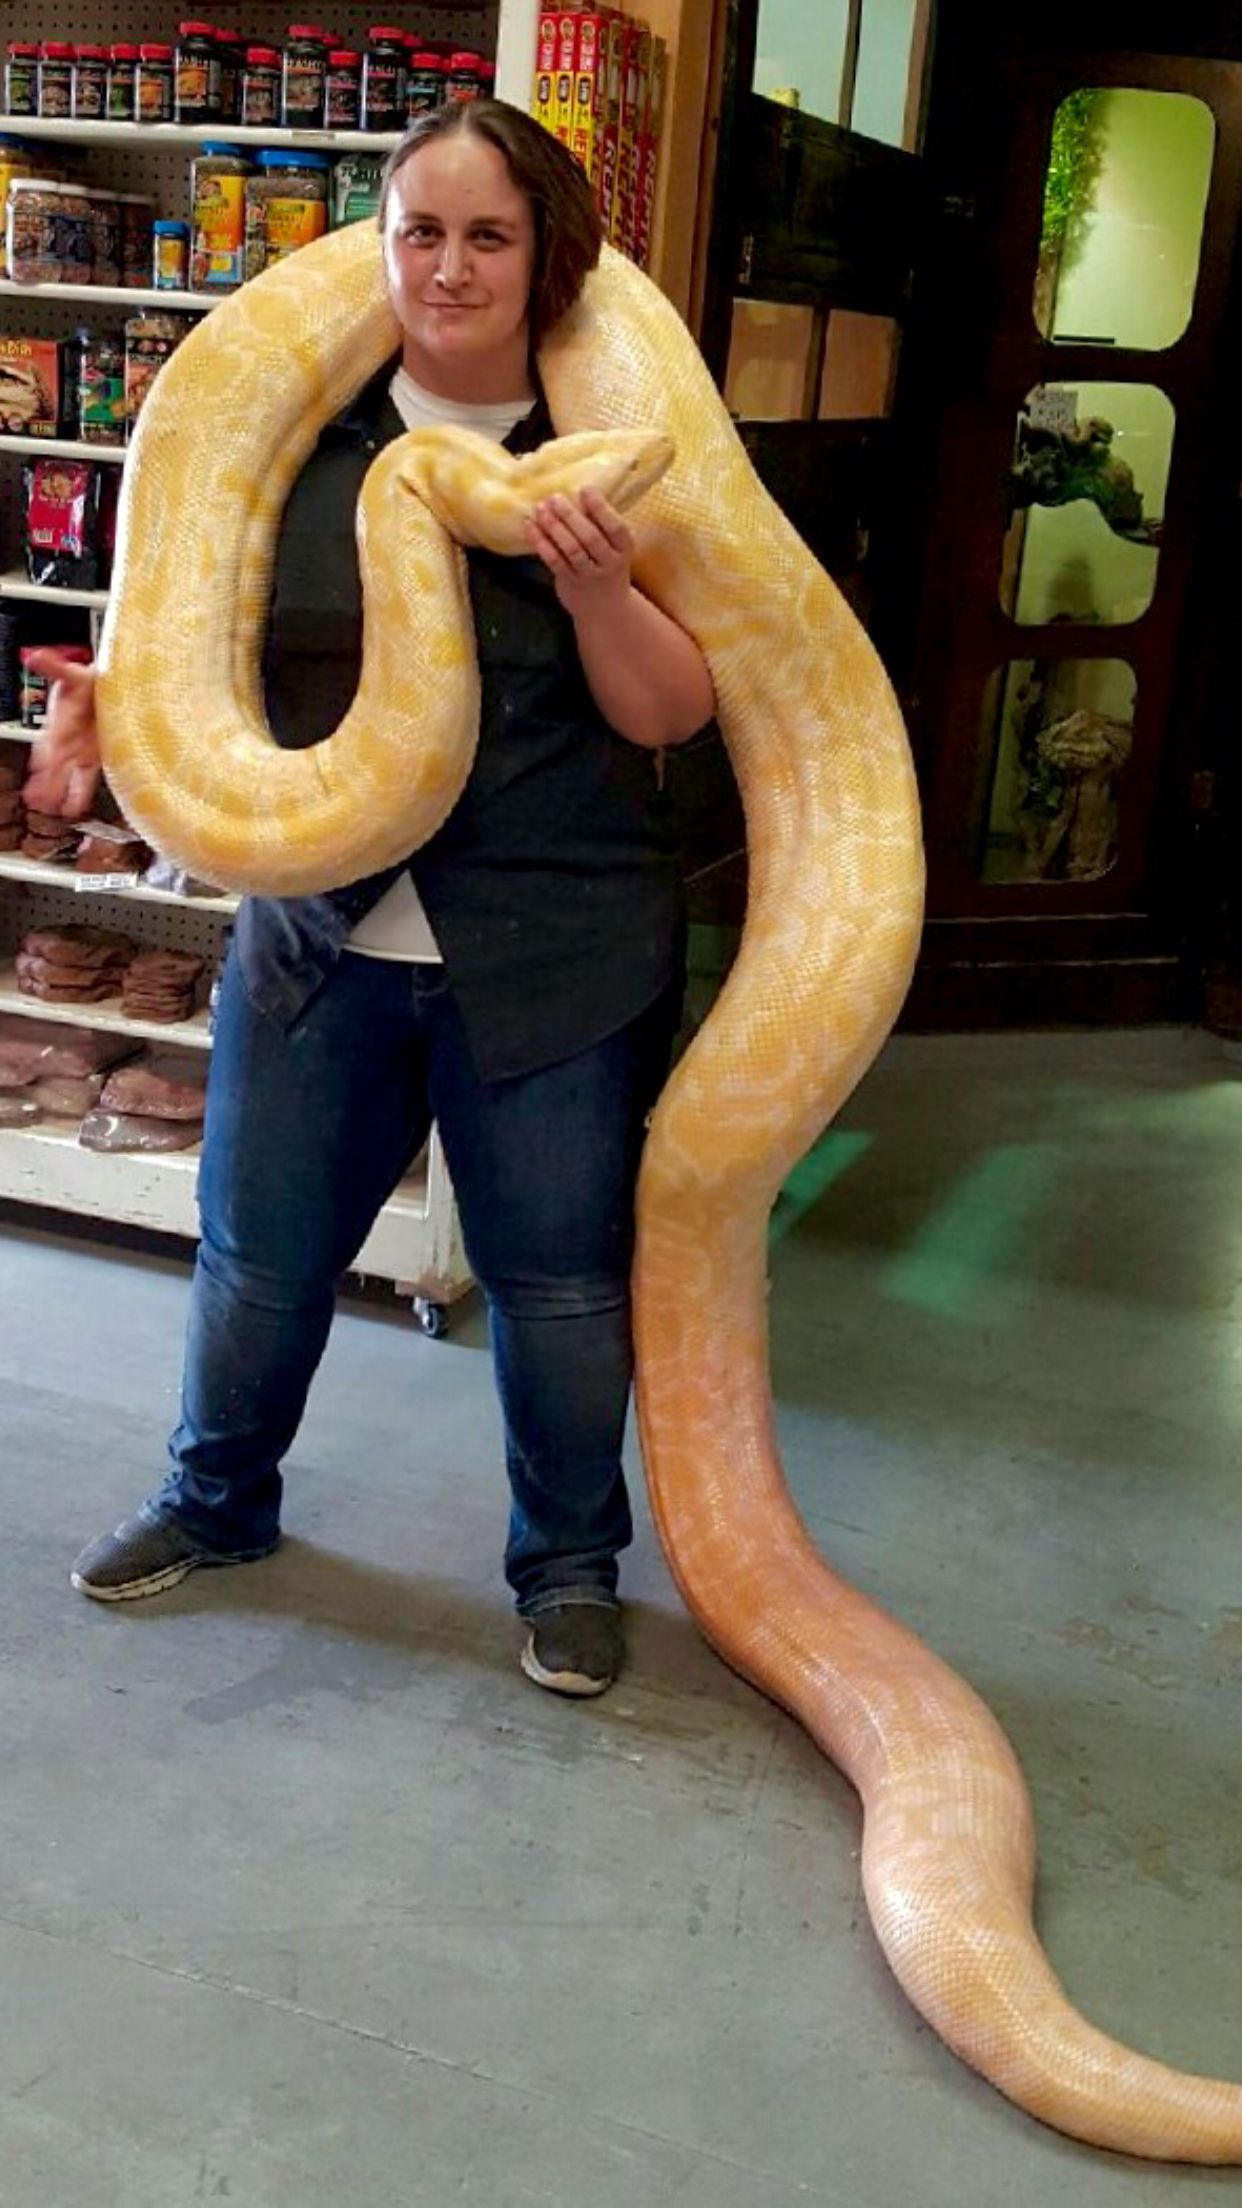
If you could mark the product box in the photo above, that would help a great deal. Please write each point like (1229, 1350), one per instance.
(635, 70)
(563, 88)
(38, 387)
(590, 70)
(543, 98)
(650, 130)
(610, 122)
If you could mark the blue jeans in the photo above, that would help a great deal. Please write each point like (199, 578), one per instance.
(308, 1131)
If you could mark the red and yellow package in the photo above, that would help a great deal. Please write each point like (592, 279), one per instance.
(543, 96)
(563, 91)
(634, 68)
(590, 64)
(649, 152)
(610, 124)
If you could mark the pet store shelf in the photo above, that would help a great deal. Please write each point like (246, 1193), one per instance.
(65, 447)
(16, 585)
(106, 1015)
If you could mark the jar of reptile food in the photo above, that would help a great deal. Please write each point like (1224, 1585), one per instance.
(90, 83)
(305, 74)
(383, 79)
(150, 339)
(170, 256)
(260, 91)
(218, 218)
(197, 78)
(465, 80)
(343, 90)
(137, 215)
(155, 94)
(105, 235)
(286, 207)
(424, 85)
(21, 78)
(122, 83)
(56, 80)
(47, 233)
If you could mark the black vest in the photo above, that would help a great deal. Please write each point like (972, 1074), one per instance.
(554, 887)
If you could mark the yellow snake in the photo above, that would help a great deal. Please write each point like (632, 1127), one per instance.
(833, 923)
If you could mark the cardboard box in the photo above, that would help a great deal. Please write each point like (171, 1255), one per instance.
(635, 68)
(649, 136)
(543, 94)
(563, 92)
(590, 71)
(610, 128)
(38, 387)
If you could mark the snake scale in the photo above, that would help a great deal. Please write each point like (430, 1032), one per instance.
(834, 916)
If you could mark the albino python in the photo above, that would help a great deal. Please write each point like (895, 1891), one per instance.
(833, 924)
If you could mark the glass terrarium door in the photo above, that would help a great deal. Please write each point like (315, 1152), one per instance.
(1077, 454)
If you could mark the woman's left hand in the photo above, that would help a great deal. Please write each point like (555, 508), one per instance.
(585, 546)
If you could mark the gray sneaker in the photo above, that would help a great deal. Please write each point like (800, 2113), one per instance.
(575, 1647)
(142, 1557)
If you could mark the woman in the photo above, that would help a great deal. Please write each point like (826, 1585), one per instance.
(519, 980)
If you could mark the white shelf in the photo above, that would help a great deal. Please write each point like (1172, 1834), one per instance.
(106, 1015)
(201, 302)
(47, 1165)
(14, 867)
(65, 446)
(15, 585)
(157, 135)
(12, 732)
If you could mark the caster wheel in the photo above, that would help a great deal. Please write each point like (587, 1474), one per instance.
(432, 1317)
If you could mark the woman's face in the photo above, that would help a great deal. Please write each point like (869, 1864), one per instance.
(459, 251)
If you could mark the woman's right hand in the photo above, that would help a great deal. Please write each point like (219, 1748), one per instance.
(64, 758)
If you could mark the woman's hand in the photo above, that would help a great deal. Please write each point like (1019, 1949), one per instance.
(586, 547)
(64, 759)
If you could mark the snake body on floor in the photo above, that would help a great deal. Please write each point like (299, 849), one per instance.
(832, 928)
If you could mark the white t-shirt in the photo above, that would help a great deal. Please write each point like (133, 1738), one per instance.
(398, 927)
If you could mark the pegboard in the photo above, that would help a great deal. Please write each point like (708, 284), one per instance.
(166, 924)
(265, 22)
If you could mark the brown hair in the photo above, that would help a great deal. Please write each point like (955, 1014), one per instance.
(568, 231)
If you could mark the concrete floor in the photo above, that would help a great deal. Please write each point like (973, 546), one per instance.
(309, 1898)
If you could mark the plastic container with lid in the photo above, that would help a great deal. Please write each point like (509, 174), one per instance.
(465, 79)
(260, 87)
(343, 89)
(90, 83)
(120, 105)
(231, 53)
(196, 95)
(218, 217)
(150, 339)
(21, 78)
(48, 232)
(105, 235)
(154, 97)
(137, 212)
(305, 75)
(19, 157)
(424, 84)
(286, 207)
(170, 255)
(56, 80)
(383, 78)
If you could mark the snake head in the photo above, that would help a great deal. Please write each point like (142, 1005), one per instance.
(482, 494)
(630, 462)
